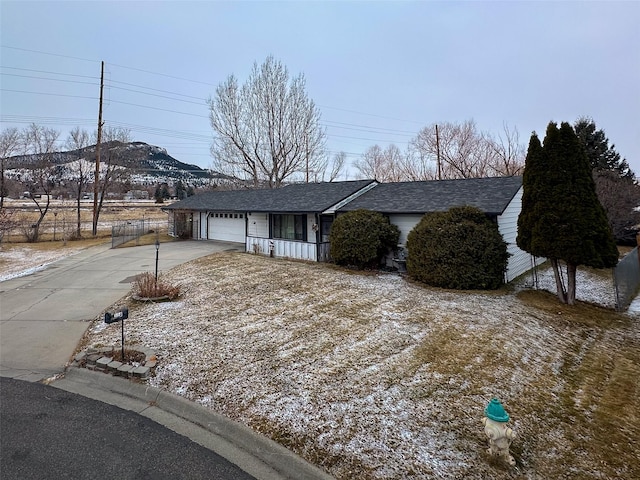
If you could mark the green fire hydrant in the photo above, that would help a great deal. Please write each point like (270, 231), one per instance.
(495, 427)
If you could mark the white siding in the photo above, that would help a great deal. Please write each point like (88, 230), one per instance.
(258, 225)
(282, 248)
(519, 261)
(311, 221)
(405, 223)
(202, 217)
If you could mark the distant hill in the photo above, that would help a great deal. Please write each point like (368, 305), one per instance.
(147, 164)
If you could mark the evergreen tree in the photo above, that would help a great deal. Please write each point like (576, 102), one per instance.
(164, 191)
(602, 157)
(181, 192)
(615, 182)
(561, 217)
(158, 195)
(533, 173)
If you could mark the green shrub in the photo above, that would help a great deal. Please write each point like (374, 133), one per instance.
(460, 249)
(362, 238)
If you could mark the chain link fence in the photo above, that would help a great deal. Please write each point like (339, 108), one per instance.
(626, 277)
(24, 231)
(129, 230)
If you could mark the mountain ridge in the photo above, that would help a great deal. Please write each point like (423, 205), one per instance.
(147, 164)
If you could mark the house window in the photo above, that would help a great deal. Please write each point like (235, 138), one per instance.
(289, 227)
(241, 215)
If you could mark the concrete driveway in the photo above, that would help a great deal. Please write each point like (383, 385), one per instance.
(44, 315)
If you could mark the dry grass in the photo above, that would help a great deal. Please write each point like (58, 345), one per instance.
(372, 377)
(149, 239)
(63, 214)
(146, 286)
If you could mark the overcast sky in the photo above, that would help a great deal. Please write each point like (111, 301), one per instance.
(379, 71)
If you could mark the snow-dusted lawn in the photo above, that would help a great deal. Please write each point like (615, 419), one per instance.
(18, 261)
(373, 377)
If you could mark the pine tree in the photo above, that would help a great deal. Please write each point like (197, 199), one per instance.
(158, 195)
(615, 181)
(561, 217)
(602, 157)
(181, 192)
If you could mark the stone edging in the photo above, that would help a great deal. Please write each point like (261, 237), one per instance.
(98, 359)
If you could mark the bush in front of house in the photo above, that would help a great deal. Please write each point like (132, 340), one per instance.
(460, 249)
(362, 238)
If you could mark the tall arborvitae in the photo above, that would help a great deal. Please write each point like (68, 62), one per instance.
(532, 175)
(561, 217)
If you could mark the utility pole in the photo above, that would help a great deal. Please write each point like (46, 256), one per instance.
(96, 179)
(438, 153)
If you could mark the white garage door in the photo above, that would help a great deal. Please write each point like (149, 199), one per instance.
(228, 227)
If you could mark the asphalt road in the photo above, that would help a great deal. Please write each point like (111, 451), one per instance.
(50, 433)
(44, 315)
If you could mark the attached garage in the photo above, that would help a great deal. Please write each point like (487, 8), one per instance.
(226, 226)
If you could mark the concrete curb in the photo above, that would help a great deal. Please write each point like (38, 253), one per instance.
(232, 440)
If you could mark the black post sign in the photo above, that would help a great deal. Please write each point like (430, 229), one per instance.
(118, 316)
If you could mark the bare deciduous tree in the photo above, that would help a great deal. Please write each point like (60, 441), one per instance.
(329, 168)
(620, 196)
(266, 130)
(9, 144)
(112, 146)
(464, 152)
(383, 165)
(40, 149)
(509, 153)
(77, 141)
(337, 166)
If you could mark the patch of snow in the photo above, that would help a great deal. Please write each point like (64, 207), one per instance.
(19, 262)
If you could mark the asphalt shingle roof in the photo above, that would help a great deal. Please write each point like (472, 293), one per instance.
(297, 198)
(491, 195)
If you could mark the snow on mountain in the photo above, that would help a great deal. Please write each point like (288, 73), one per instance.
(146, 164)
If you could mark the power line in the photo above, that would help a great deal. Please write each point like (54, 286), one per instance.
(48, 72)
(46, 93)
(366, 130)
(156, 95)
(155, 89)
(388, 130)
(48, 53)
(158, 108)
(44, 78)
(163, 74)
(200, 82)
(370, 114)
(45, 120)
